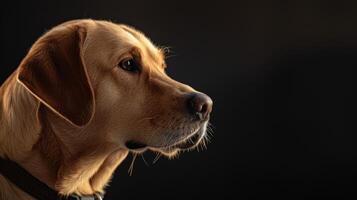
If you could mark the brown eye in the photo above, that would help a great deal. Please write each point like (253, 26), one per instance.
(129, 65)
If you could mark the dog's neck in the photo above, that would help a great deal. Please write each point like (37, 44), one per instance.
(16, 136)
(33, 136)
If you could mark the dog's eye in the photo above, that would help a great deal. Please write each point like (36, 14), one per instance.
(129, 65)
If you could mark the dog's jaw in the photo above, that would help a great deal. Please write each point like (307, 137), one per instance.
(189, 142)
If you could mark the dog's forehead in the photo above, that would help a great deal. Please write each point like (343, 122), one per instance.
(156, 54)
(140, 38)
(127, 38)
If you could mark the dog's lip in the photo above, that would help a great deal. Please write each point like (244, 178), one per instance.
(134, 145)
(185, 144)
(190, 142)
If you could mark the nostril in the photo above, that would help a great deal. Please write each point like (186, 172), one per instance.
(204, 108)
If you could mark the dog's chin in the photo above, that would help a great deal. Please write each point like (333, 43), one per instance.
(189, 143)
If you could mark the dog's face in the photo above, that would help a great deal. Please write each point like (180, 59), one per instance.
(138, 105)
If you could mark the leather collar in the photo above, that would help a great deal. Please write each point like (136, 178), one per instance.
(34, 187)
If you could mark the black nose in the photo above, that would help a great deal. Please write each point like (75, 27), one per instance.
(200, 105)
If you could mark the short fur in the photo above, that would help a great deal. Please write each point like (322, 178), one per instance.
(68, 109)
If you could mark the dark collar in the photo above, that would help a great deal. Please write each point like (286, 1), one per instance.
(34, 187)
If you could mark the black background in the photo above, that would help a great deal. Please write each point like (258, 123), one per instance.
(281, 77)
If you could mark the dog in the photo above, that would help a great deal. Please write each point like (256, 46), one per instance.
(87, 93)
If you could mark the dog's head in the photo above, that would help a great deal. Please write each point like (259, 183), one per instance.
(110, 78)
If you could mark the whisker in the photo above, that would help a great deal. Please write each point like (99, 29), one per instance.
(158, 156)
(203, 144)
(147, 118)
(146, 163)
(131, 168)
(171, 136)
(210, 130)
(170, 56)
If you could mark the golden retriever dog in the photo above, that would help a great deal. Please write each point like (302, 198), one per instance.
(87, 93)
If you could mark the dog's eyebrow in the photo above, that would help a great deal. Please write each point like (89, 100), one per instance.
(157, 54)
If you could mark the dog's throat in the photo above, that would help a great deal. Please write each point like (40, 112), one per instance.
(133, 145)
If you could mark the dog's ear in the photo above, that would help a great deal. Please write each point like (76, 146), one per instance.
(55, 73)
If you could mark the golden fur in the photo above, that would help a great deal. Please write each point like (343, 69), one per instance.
(67, 126)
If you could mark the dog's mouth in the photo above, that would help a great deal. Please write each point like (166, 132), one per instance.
(133, 145)
(186, 144)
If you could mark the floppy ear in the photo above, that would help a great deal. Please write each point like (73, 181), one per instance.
(54, 72)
